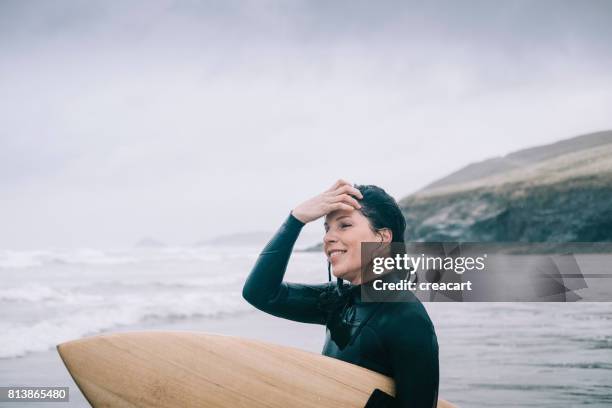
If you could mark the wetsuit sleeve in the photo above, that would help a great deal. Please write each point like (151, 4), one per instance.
(413, 350)
(265, 289)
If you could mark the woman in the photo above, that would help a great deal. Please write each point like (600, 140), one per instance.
(393, 338)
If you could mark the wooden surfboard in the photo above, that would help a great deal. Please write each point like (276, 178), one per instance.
(191, 369)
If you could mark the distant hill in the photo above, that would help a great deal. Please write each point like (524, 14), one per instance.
(251, 238)
(149, 242)
(559, 192)
(318, 247)
(260, 239)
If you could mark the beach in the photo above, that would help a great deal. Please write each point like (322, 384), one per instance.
(491, 354)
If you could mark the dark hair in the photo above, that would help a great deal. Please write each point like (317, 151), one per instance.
(382, 210)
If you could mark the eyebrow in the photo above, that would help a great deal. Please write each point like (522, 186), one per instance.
(325, 224)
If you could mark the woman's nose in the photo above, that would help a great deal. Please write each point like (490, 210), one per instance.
(329, 237)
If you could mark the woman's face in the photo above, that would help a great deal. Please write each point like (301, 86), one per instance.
(344, 232)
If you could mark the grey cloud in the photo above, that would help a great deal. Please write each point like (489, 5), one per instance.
(182, 119)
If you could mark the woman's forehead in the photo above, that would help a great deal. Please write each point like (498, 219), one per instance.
(340, 214)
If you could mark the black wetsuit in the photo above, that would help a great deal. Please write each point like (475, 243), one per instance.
(393, 338)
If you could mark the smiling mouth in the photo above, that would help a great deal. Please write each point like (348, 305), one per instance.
(335, 253)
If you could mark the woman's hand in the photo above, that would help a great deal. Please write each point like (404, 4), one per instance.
(340, 196)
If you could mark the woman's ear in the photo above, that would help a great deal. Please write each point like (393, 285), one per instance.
(385, 234)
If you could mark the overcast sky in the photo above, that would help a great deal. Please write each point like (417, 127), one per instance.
(183, 120)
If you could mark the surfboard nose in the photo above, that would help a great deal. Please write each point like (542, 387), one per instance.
(74, 355)
(77, 353)
(64, 349)
(71, 353)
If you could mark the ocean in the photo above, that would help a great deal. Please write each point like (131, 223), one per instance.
(491, 354)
